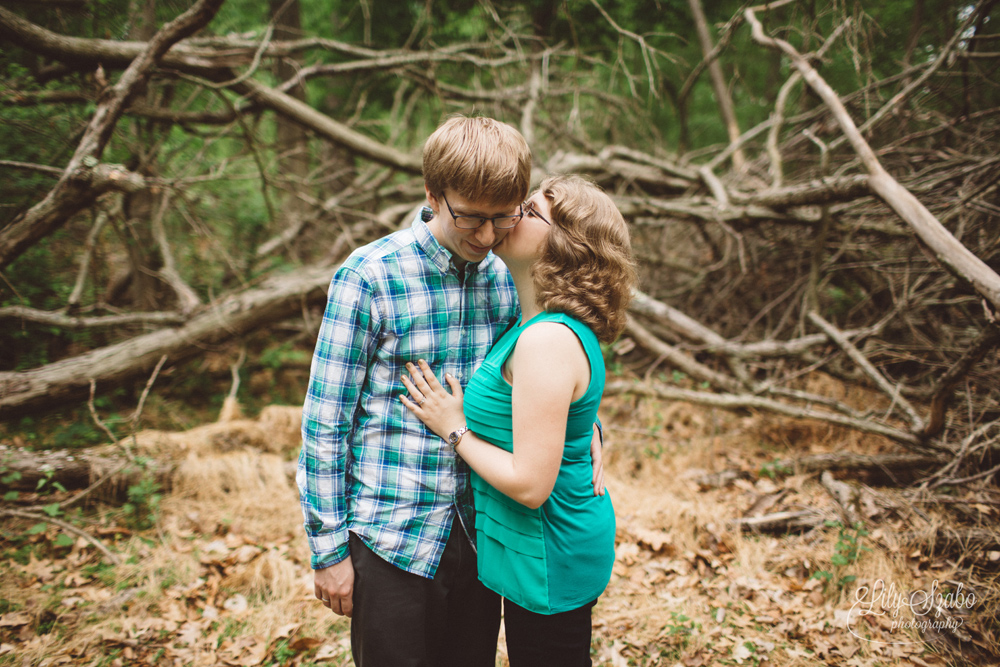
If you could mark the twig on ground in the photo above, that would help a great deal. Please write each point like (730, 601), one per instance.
(916, 423)
(68, 527)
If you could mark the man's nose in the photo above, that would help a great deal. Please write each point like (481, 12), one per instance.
(486, 235)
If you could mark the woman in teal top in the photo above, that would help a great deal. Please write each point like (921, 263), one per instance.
(545, 541)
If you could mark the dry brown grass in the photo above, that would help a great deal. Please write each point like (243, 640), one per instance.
(225, 575)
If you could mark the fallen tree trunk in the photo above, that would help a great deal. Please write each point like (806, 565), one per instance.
(74, 469)
(781, 522)
(844, 461)
(278, 298)
(747, 401)
(113, 469)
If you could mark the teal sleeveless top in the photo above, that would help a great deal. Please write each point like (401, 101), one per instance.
(557, 557)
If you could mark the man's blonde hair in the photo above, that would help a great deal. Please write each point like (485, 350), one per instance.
(483, 160)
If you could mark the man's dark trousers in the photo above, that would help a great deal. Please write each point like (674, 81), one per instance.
(405, 620)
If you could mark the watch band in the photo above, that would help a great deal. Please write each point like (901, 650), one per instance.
(455, 437)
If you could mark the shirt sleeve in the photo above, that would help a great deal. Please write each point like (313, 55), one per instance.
(344, 348)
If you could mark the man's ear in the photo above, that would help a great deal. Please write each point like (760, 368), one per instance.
(432, 200)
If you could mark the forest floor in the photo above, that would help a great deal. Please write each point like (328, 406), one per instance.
(221, 575)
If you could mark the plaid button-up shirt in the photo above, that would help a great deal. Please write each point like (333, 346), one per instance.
(367, 464)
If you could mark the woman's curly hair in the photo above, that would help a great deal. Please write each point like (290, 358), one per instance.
(586, 268)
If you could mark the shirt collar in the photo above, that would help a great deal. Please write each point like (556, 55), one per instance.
(438, 255)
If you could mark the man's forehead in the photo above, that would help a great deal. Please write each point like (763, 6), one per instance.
(481, 207)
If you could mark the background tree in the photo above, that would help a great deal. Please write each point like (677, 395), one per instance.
(177, 203)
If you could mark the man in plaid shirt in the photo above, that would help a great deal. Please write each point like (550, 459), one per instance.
(387, 504)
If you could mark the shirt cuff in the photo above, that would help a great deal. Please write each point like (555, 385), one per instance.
(328, 549)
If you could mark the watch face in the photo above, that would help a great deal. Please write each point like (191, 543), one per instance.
(453, 437)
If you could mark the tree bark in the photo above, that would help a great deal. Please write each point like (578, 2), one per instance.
(75, 469)
(781, 522)
(24, 391)
(79, 323)
(718, 80)
(292, 141)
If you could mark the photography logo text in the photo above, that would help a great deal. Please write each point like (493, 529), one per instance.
(934, 608)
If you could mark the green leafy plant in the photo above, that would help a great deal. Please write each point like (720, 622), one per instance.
(47, 484)
(676, 635)
(7, 479)
(775, 469)
(846, 551)
(102, 571)
(681, 624)
(142, 507)
(277, 357)
(283, 653)
(748, 651)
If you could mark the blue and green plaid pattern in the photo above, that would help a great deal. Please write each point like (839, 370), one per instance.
(367, 464)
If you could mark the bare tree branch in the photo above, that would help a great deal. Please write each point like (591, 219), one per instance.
(79, 323)
(722, 98)
(946, 247)
(746, 401)
(231, 317)
(778, 115)
(944, 387)
(915, 85)
(68, 527)
(27, 166)
(73, 302)
(77, 188)
(680, 360)
(893, 392)
(187, 299)
(329, 128)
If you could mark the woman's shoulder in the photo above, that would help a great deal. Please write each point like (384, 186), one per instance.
(548, 343)
(549, 329)
(559, 328)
